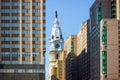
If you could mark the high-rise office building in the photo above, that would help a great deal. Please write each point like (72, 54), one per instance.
(110, 49)
(70, 61)
(71, 44)
(22, 39)
(83, 55)
(57, 55)
(99, 69)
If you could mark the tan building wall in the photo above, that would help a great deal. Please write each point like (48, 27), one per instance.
(68, 44)
(111, 49)
(82, 39)
(58, 72)
(22, 37)
(22, 31)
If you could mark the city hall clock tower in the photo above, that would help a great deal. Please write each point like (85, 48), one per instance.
(56, 43)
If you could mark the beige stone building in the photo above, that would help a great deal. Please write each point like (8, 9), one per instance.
(22, 33)
(83, 55)
(82, 38)
(109, 49)
(71, 44)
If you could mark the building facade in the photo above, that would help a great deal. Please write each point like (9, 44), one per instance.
(109, 51)
(57, 55)
(22, 37)
(83, 55)
(71, 44)
(102, 9)
(70, 60)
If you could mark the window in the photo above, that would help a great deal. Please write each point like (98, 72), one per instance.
(5, 10)
(35, 38)
(25, 38)
(36, 3)
(57, 56)
(26, 54)
(15, 54)
(15, 18)
(36, 54)
(25, 62)
(15, 10)
(35, 24)
(26, 45)
(5, 31)
(36, 18)
(36, 10)
(5, 38)
(36, 45)
(5, 17)
(15, 3)
(5, 45)
(5, 54)
(26, 4)
(25, 10)
(25, 17)
(26, 24)
(5, 3)
(5, 24)
(15, 45)
(36, 31)
(15, 31)
(15, 38)
(26, 31)
(15, 24)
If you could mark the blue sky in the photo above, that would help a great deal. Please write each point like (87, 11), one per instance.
(71, 14)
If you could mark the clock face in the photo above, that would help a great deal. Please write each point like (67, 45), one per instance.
(57, 45)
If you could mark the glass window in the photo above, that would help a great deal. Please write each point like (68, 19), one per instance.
(15, 3)
(5, 3)
(26, 31)
(26, 4)
(36, 45)
(25, 10)
(35, 38)
(5, 62)
(15, 54)
(35, 24)
(25, 38)
(5, 45)
(5, 31)
(5, 24)
(26, 24)
(15, 31)
(26, 45)
(5, 10)
(15, 62)
(5, 17)
(36, 18)
(15, 45)
(26, 54)
(25, 62)
(36, 3)
(5, 38)
(15, 10)
(36, 31)
(15, 17)
(15, 38)
(15, 24)
(36, 53)
(5, 54)
(36, 10)
(25, 17)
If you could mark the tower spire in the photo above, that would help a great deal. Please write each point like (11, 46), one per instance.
(56, 15)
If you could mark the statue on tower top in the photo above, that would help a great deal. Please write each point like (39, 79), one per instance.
(56, 15)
